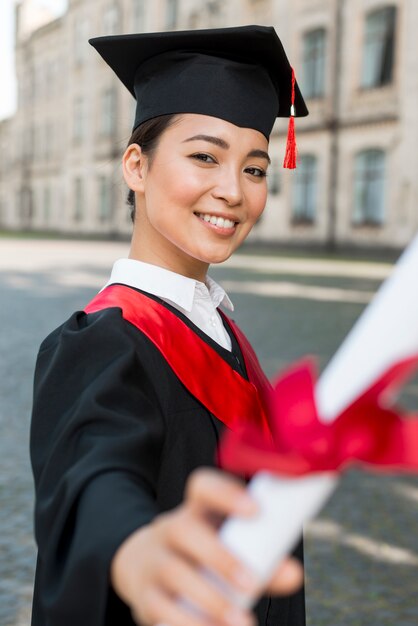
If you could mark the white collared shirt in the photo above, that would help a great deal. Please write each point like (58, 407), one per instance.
(196, 300)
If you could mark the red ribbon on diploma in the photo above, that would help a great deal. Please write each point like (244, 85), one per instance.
(372, 431)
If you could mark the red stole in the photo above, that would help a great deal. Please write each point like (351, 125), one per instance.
(206, 375)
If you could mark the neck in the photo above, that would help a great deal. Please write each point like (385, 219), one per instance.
(170, 258)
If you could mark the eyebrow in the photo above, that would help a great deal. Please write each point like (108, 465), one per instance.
(217, 141)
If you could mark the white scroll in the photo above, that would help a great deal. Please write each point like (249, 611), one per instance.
(386, 333)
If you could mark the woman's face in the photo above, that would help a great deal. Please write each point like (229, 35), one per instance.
(201, 194)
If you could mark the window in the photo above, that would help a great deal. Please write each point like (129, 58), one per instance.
(171, 13)
(78, 129)
(305, 190)
(260, 10)
(25, 205)
(111, 20)
(274, 178)
(37, 142)
(108, 112)
(48, 140)
(2, 211)
(81, 28)
(313, 71)
(27, 147)
(36, 204)
(38, 82)
(47, 205)
(369, 183)
(58, 71)
(28, 92)
(105, 199)
(213, 7)
(379, 45)
(31, 142)
(49, 78)
(78, 212)
(138, 15)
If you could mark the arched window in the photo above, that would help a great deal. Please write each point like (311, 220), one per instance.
(305, 190)
(369, 187)
(379, 46)
(313, 69)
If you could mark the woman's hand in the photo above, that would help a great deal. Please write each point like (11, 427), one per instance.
(164, 560)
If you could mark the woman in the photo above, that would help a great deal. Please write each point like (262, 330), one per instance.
(132, 394)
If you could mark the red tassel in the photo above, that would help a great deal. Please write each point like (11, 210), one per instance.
(290, 158)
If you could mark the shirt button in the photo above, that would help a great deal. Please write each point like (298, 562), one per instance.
(213, 320)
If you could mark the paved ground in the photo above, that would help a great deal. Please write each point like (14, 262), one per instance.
(361, 553)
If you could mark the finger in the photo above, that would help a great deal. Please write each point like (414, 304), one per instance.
(183, 580)
(287, 579)
(216, 491)
(197, 541)
(160, 608)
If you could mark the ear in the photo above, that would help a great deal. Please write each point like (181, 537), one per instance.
(134, 165)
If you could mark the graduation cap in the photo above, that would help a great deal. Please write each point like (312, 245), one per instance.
(241, 75)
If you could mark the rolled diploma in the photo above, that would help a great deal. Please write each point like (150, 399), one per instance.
(386, 332)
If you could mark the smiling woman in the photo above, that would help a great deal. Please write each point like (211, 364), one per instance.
(133, 393)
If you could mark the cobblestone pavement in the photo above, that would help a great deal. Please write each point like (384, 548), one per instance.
(361, 552)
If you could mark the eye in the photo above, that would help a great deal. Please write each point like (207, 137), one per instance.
(256, 171)
(203, 157)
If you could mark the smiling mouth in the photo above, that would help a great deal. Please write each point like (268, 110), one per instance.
(220, 222)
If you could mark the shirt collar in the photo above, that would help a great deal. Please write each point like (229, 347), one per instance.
(217, 293)
(158, 281)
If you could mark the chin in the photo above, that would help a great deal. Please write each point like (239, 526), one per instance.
(215, 258)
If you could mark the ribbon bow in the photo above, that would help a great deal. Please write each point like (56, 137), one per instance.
(371, 431)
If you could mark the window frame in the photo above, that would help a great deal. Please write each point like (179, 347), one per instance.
(79, 121)
(378, 65)
(78, 199)
(306, 184)
(317, 88)
(364, 214)
(171, 14)
(108, 111)
(139, 15)
(105, 200)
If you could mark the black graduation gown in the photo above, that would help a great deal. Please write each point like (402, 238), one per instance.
(114, 436)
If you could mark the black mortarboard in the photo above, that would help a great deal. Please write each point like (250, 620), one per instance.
(238, 74)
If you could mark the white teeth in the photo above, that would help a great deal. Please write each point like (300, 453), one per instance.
(221, 222)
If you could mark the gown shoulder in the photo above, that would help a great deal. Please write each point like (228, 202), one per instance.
(97, 435)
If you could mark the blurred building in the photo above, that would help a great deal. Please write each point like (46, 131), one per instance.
(357, 64)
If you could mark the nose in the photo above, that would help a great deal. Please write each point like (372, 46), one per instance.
(228, 187)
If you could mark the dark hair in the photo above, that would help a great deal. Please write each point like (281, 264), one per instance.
(147, 136)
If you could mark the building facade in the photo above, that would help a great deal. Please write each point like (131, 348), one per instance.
(356, 61)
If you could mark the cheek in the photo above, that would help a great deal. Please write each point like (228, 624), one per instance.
(258, 203)
(180, 187)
